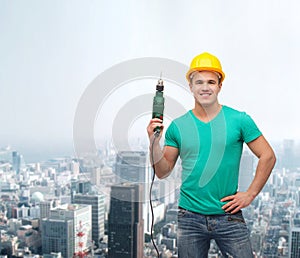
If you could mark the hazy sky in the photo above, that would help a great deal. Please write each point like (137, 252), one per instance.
(51, 50)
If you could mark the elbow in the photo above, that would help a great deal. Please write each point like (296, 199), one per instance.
(162, 176)
(164, 171)
(268, 158)
(274, 159)
(271, 159)
(158, 175)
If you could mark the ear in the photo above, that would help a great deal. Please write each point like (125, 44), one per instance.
(220, 85)
(191, 86)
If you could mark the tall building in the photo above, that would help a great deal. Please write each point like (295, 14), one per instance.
(97, 203)
(96, 176)
(132, 167)
(16, 160)
(58, 236)
(80, 186)
(46, 206)
(81, 215)
(125, 222)
(75, 168)
(295, 242)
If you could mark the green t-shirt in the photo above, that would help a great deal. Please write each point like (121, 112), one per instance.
(210, 156)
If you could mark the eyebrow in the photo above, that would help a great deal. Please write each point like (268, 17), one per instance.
(210, 80)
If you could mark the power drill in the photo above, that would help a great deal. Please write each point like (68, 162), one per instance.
(157, 112)
(158, 104)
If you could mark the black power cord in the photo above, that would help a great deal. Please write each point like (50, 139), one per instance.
(156, 134)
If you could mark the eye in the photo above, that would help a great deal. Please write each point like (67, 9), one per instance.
(212, 82)
(199, 82)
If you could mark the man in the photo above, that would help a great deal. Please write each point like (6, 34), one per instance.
(209, 140)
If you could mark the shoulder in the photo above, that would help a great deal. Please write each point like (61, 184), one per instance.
(248, 128)
(183, 118)
(178, 124)
(231, 113)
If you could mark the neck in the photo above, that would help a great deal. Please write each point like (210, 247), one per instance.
(206, 113)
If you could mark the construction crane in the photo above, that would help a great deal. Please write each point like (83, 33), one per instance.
(80, 234)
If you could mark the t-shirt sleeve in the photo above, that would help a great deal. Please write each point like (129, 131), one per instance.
(249, 129)
(172, 136)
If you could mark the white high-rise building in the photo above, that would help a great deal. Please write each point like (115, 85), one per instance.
(81, 215)
(98, 210)
(96, 176)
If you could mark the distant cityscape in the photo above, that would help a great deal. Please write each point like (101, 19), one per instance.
(98, 205)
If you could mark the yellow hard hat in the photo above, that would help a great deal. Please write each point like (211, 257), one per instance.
(206, 62)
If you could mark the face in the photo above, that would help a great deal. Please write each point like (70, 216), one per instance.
(205, 87)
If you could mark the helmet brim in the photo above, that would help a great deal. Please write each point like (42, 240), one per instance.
(210, 69)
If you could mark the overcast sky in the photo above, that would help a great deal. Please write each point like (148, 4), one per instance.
(51, 50)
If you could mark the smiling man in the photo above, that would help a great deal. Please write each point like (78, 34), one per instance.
(209, 141)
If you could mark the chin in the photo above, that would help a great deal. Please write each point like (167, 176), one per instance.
(205, 104)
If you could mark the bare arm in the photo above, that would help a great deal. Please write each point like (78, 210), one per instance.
(261, 148)
(164, 159)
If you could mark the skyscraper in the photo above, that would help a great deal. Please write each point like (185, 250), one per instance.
(81, 217)
(96, 176)
(97, 203)
(80, 186)
(16, 159)
(295, 242)
(132, 167)
(58, 236)
(45, 207)
(125, 222)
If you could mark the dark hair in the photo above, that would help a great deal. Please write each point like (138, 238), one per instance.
(219, 76)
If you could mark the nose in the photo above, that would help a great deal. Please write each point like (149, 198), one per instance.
(205, 86)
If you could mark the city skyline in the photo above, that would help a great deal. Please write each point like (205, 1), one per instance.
(33, 192)
(42, 155)
(51, 53)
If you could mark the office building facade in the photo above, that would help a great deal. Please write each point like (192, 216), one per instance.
(125, 222)
(295, 242)
(97, 203)
(81, 215)
(133, 167)
(58, 236)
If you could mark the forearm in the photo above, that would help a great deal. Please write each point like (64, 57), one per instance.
(263, 171)
(162, 160)
(161, 165)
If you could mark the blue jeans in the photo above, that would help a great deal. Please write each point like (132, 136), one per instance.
(229, 231)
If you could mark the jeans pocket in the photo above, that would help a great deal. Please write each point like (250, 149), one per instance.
(237, 217)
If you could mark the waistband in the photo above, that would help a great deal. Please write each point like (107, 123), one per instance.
(223, 214)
